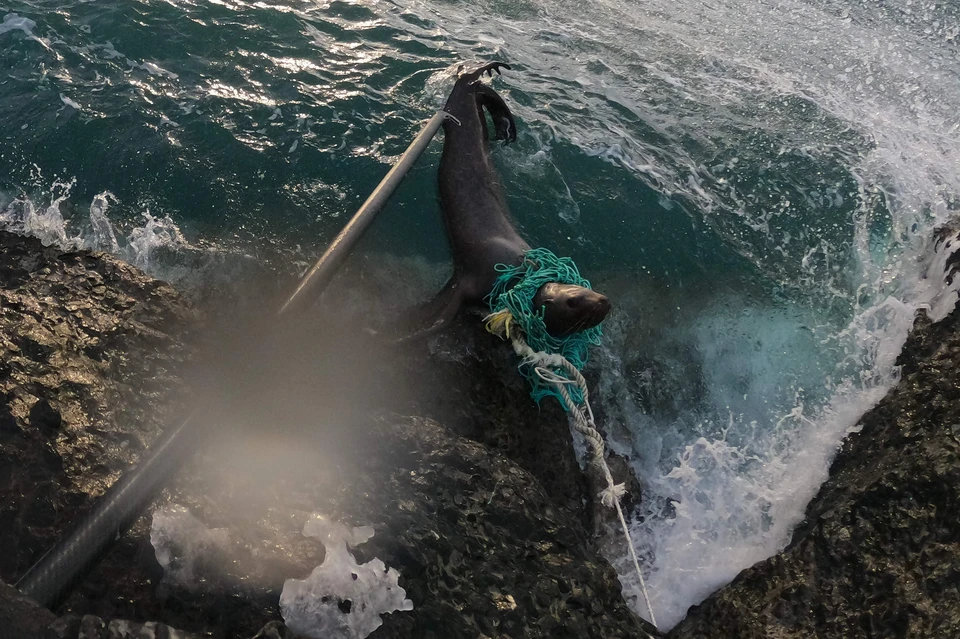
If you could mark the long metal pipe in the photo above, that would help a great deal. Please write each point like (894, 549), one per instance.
(317, 278)
(52, 578)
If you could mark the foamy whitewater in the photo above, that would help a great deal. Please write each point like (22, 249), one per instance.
(756, 183)
(46, 222)
(732, 483)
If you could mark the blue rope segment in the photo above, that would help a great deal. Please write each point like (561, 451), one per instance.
(514, 291)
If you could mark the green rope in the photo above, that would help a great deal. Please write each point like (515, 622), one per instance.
(514, 291)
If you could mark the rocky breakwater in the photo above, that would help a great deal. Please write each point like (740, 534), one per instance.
(878, 554)
(480, 509)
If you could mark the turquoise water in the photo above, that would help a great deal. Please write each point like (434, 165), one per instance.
(754, 182)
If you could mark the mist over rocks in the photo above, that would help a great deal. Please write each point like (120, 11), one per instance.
(490, 534)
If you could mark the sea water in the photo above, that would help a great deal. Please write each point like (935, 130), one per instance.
(756, 183)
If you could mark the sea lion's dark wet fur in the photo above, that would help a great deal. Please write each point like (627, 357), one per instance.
(477, 219)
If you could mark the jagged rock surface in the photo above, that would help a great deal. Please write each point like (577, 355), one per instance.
(90, 350)
(480, 548)
(490, 537)
(22, 618)
(879, 552)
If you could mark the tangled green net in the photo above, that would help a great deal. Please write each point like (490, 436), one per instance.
(514, 291)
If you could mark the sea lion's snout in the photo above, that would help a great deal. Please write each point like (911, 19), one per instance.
(603, 306)
(568, 308)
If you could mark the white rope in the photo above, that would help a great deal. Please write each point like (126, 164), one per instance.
(583, 423)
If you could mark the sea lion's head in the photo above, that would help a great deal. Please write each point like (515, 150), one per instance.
(568, 308)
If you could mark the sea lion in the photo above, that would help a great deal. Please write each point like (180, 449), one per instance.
(477, 219)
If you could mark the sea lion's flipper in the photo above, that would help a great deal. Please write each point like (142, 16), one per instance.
(503, 123)
(437, 313)
(489, 68)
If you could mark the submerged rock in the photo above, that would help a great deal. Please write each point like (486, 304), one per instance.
(483, 517)
(879, 552)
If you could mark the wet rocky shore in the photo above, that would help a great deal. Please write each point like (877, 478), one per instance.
(477, 501)
(473, 492)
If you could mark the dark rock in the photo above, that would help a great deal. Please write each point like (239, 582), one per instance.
(275, 630)
(469, 570)
(66, 627)
(92, 628)
(64, 417)
(44, 415)
(879, 552)
(483, 516)
(21, 618)
(122, 629)
(8, 424)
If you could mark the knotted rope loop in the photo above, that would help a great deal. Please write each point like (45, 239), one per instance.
(547, 369)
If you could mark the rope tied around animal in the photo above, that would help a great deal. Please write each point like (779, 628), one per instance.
(511, 307)
(549, 369)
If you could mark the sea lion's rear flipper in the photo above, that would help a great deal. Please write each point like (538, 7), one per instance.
(437, 313)
(476, 74)
(503, 123)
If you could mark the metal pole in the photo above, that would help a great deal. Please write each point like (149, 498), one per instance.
(54, 575)
(51, 578)
(317, 278)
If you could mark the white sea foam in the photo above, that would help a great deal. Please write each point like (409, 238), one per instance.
(341, 599)
(154, 69)
(102, 236)
(156, 245)
(185, 546)
(70, 103)
(21, 215)
(728, 475)
(866, 87)
(12, 22)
